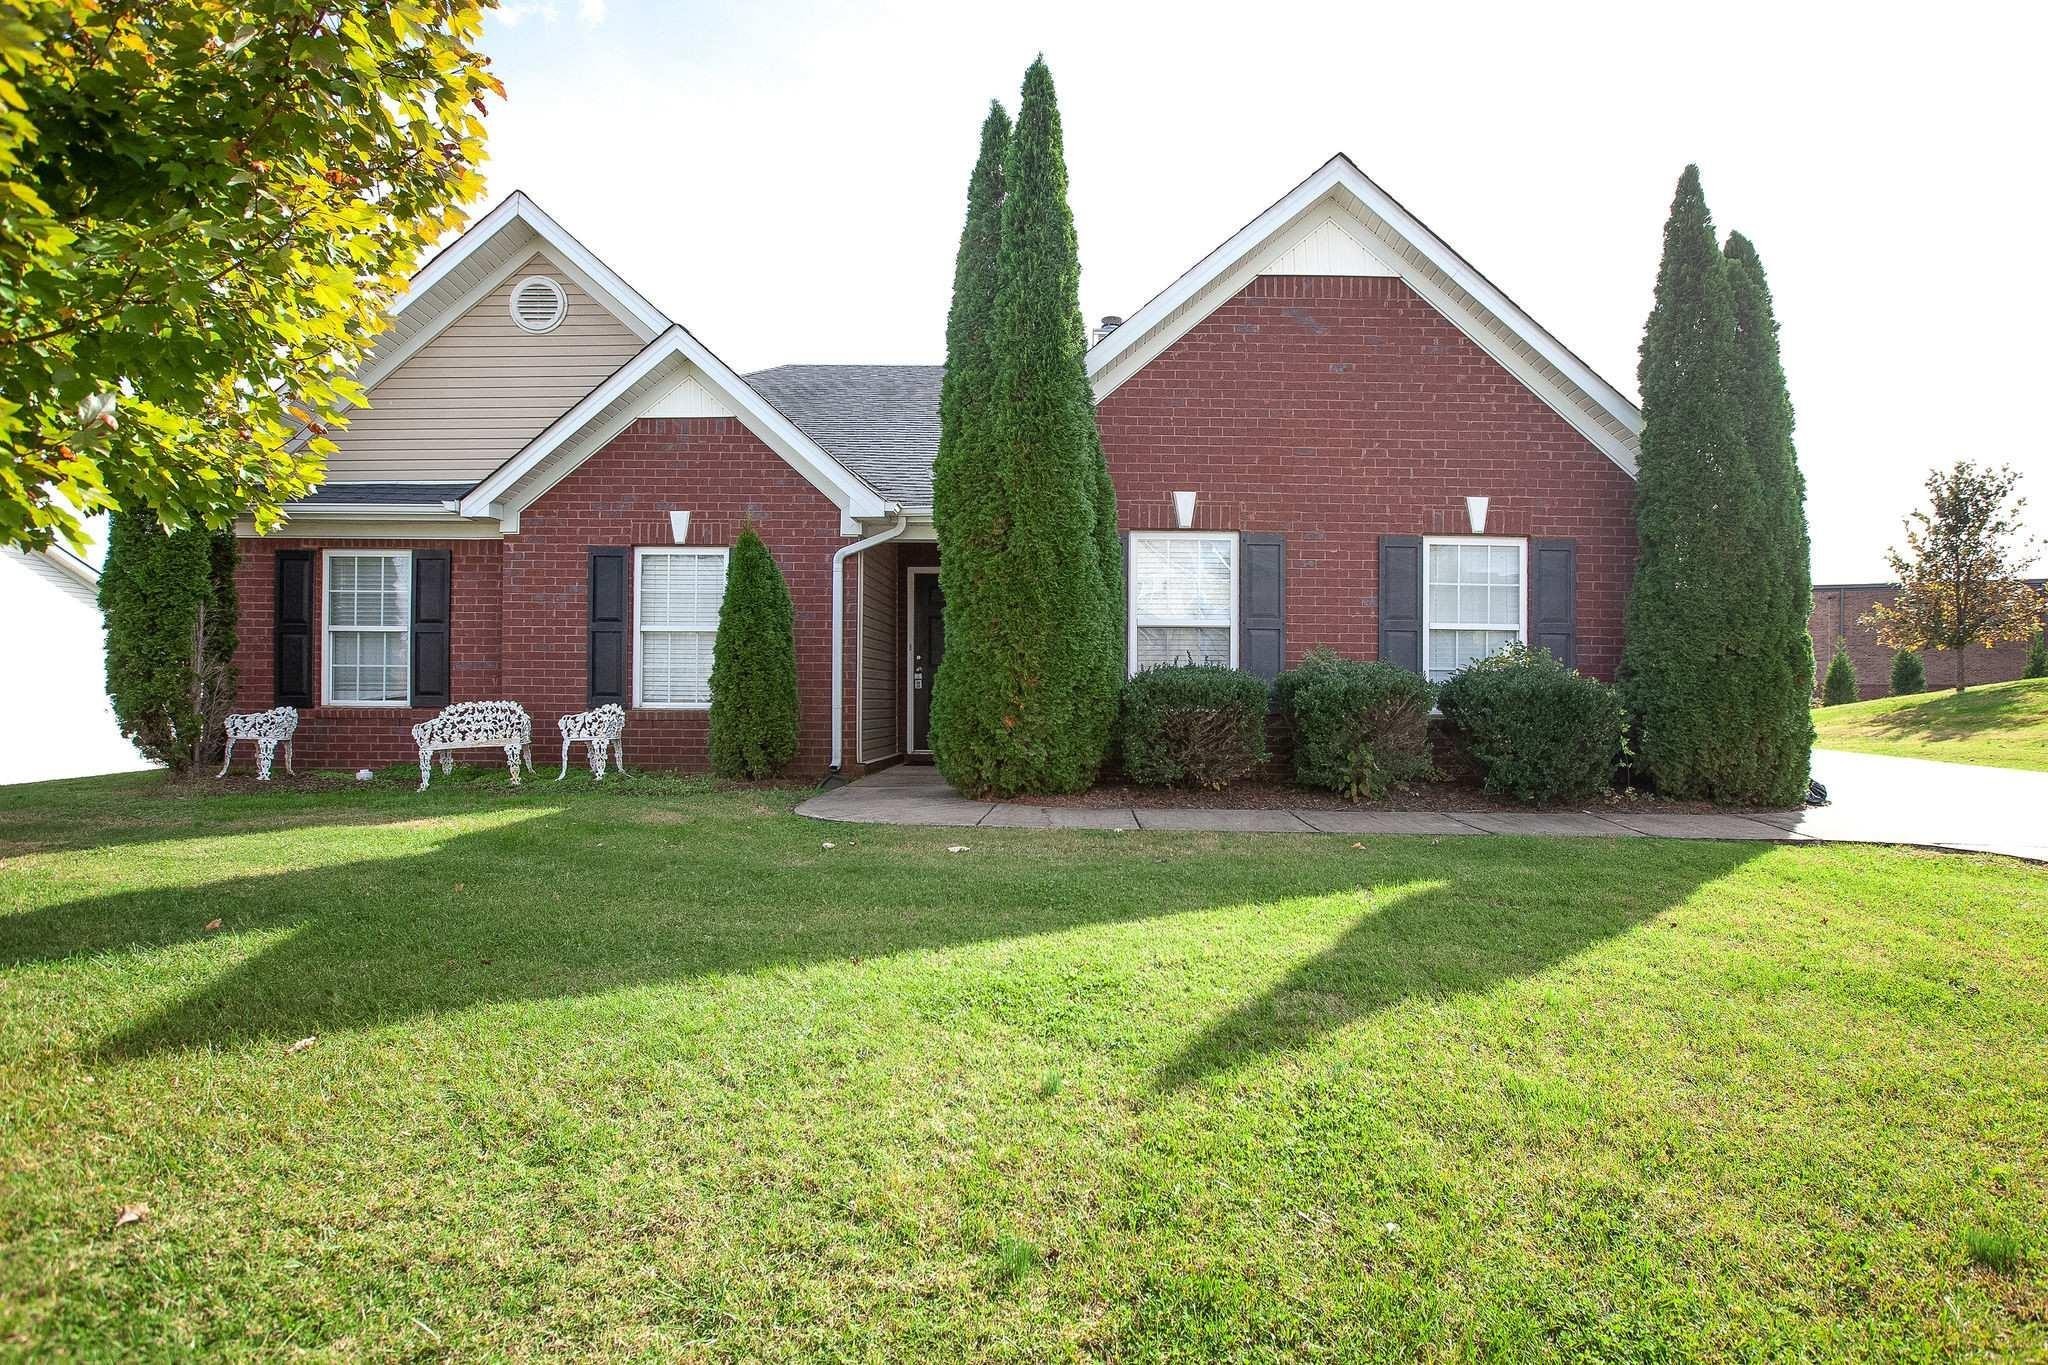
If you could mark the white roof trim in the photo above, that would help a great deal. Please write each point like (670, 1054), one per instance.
(599, 279)
(1125, 351)
(71, 566)
(543, 235)
(506, 491)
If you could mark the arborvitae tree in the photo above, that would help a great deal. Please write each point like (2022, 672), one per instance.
(1781, 727)
(1027, 697)
(968, 501)
(1841, 684)
(1909, 675)
(2037, 658)
(753, 667)
(1694, 669)
(168, 599)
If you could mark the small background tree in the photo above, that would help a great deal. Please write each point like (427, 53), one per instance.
(1840, 688)
(1909, 675)
(2037, 658)
(753, 667)
(1959, 573)
(168, 600)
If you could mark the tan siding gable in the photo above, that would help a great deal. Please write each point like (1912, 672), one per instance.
(471, 397)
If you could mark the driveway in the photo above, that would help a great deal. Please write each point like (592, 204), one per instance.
(1883, 800)
(1876, 800)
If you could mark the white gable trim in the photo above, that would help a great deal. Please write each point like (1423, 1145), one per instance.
(520, 225)
(645, 385)
(1340, 191)
(597, 278)
(1333, 243)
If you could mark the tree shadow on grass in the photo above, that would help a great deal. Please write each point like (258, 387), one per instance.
(1456, 937)
(1964, 715)
(597, 896)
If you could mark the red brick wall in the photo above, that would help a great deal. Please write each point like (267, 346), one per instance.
(360, 736)
(1838, 612)
(723, 475)
(520, 612)
(1336, 410)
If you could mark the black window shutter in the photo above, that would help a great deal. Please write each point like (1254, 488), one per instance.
(607, 627)
(430, 604)
(1262, 606)
(294, 631)
(1401, 601)
(1553, 598)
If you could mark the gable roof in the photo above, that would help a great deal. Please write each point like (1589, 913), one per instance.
(463, 273)
(1398, 240)
(880, 421)
(672, 362)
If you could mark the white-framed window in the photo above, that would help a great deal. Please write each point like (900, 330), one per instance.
(367, 626)
(1474, 600)
(677, 593)
(1183, 599)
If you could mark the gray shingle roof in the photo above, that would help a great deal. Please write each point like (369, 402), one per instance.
(880, 421)
(381, 494)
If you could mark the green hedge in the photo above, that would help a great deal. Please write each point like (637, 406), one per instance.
(1359, 728)
(1193, 725)
(1539, 731)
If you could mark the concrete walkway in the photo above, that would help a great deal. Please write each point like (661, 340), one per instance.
(1876, 801)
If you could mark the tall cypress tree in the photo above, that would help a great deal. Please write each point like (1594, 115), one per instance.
(1027, 695)
(1782, 719)
(1692, 639)
(967, 499)
(168, 601)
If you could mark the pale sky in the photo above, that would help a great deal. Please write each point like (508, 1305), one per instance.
(787, 179)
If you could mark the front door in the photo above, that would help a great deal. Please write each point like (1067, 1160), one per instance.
(927, 645)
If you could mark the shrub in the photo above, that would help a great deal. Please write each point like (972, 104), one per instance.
(1193, 724)
(2037, 658)
(753, 667)
(1841, 684)
(1909, 675)
(1359, 728)
(1538, 730)
(168, 599)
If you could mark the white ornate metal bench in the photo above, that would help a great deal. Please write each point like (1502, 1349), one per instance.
(269, 729)
(475, 725)
(603, 733)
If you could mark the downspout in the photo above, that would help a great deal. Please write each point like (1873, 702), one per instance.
(839, 558)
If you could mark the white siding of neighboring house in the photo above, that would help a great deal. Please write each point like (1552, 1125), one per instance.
(469, 399)
(53, 690)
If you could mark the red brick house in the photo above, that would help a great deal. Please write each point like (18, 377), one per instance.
(1331, 430)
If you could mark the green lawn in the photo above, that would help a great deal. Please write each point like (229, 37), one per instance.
(2002, 725)
(653, 1072)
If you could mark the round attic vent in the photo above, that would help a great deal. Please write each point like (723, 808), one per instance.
(538, 304)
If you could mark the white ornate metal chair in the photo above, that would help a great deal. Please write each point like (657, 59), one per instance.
(602, 731)
(269, 729)
(475, 725)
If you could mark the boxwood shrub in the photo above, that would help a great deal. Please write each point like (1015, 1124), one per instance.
(1539, 731)
(1193, 725)
(1359, 728)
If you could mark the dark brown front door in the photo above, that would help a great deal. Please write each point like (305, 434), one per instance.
(927, 646)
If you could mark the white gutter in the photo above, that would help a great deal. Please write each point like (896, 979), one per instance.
(839, 558)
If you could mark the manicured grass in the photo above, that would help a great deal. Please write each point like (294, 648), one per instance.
(2001, 725)
(650, 1071)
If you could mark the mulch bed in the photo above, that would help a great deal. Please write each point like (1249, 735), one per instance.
(1426, 796)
